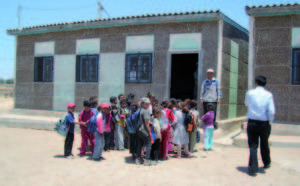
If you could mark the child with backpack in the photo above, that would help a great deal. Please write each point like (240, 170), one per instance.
(85, 116)
(99, 132)
(208, 127)
(131, 125)
(181, 136)
(156, 133)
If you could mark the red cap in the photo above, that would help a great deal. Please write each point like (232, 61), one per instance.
(104, 105)
(71, 105)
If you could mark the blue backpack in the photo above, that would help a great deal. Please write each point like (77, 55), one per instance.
(61, 126)
(92, 123)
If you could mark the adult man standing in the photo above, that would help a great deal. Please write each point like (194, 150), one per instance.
(210, 92)
(260, 113)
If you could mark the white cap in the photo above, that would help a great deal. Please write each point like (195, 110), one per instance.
(210, 70)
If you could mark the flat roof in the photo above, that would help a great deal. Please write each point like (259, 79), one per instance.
(128, 20)
(273, 10)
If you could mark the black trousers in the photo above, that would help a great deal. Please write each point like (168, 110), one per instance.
(107, 139)
(155, 150)
(69, 144)
(258, 130)
(205, 108)
(133, 143)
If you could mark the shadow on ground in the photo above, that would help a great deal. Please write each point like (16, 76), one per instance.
(129, 160)
(59, 156)
(245, 170)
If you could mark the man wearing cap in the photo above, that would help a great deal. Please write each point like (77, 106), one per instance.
(210, 92)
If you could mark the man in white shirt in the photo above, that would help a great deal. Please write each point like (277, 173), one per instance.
(261, 111)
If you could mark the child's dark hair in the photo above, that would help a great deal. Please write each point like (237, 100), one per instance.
(193, 104)
(99, 108)
(86, 103)
(185, 109)
(129, 102)
(156, 101)
(94, 101)
(156, 110)
(113, 99)
(119, 96)
(130, 96)
(134, 106)
(123, 101)
(210, 107)
(164, 104)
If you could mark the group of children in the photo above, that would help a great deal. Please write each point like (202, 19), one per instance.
(149, 130)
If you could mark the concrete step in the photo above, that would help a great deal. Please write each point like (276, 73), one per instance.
(280, 129)
(274, 140)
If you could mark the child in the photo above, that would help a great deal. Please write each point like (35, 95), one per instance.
(193, 134)
(84, 116)
(108, 132)
(131, 125)
(181, 136)
(208, 120)
(157, 133)
(99, 134)
(70, 121)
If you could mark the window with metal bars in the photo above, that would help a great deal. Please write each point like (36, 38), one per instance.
(43, 69)
(139, 68)
(87, 68)
(296, 66)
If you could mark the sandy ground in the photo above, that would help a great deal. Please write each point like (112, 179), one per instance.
(34, 157)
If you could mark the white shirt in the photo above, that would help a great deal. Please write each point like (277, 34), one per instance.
(260, 104)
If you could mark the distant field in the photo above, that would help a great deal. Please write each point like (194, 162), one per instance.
(6, 90)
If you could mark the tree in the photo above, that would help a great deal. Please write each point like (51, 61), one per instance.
(10, 81)
(2, 81)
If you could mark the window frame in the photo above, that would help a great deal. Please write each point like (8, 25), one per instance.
(294, 82)
(35, 74)
(78, 71)
(127, 68)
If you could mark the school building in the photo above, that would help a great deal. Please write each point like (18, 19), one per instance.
(274, 51)
(64, 62)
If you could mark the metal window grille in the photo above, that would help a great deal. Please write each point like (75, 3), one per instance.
(139, 68)
(296, 66)
(87, 68)
(43, 69)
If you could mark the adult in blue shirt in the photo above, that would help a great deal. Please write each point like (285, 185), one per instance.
(261, 111)
(210, 93)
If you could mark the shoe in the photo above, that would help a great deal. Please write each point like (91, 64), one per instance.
(69, 157)
(267, 166)
(205, 149)
(179, 157)
(157, 161)
(81, 155)
(122, 149)
(139, 161)
(97, 159)
(149, 163)
(102, 158)
(251, 173)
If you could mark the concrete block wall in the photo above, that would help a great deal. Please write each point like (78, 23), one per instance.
(273, 59)
(35, 95)
(234, 58)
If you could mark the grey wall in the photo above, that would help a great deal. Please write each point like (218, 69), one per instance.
(273, 59)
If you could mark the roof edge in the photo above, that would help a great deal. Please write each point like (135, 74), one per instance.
(119, 21)
(273, 10)
(233, 23)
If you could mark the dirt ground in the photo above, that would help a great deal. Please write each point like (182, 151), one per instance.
(34, 157)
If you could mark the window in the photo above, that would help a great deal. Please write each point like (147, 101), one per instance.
(43, 69)
(138, 68)
(87, 68)
(296, 66)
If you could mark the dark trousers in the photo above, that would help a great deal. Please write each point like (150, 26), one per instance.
(155, 150)
(205, 109)
(143, 141)
(107, 138)
(258, 130)
(112, 138)
(69, 144)
(133, 143)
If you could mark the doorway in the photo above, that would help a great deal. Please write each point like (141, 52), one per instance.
(184, 76)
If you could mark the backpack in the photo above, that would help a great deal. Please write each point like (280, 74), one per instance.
(134, 122)
(92, 123)
(190, 123)
(61, 126)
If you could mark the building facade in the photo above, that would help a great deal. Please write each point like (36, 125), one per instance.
(60, 63)
(274, 51)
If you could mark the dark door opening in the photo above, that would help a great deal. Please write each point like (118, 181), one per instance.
(184, 76)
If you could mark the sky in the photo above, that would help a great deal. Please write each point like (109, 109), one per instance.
(36, 12)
